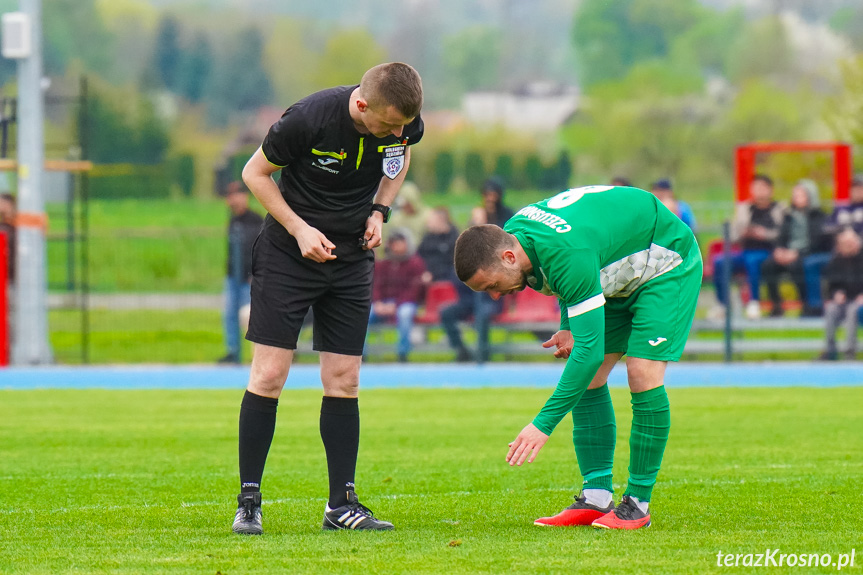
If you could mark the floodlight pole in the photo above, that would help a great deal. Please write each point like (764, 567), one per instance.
(30, 342)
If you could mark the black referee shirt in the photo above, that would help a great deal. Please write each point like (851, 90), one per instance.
(330, 172)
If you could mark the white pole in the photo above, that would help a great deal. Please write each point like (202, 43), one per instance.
(30, 340)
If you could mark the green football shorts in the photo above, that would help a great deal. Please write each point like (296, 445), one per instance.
(654, 322)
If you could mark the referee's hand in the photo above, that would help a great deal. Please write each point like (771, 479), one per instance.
(374, 228)
(314, 245)
(529, 440)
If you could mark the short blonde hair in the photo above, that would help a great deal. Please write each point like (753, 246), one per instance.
(394, 84)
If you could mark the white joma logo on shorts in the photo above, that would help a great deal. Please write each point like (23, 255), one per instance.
(656, 342)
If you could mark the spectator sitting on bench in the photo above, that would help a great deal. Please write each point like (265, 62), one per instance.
(398, 288)
(478, 304)
(850, 214)
(800, 237)
(756, 227)
(844, 275)
(438, 245)
(409, 213)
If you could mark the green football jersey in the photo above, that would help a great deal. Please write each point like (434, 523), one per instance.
(587, 245)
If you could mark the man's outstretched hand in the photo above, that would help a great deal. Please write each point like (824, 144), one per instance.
(528, 442)
(563, 341)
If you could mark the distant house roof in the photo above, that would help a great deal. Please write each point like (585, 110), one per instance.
(538, 107)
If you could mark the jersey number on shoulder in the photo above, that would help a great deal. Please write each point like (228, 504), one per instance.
(571, 196)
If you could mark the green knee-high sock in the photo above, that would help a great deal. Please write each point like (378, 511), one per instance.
(651, 420)
(593, 434)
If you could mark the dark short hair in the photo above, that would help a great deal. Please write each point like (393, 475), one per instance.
(662, 184)
(621, 181)
(236, 187)
(493, 184)
(763, 178)
(478, 248)
(394, 84)
(7, 197)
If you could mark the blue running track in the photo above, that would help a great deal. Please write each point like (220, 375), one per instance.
(377, 376)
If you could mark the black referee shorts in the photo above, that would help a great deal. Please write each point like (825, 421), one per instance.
(285, 285)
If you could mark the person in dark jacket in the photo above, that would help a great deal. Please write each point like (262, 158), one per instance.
(493, 210)
(844, 278)
(438, 245)
(242, 231)
(800, 236)
(398, 288)
(850, 214)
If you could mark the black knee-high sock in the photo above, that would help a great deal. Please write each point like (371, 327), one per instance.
(257, 424)
(340, 432)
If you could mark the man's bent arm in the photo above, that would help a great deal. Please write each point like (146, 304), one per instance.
(258, 175)
(564, 315)
(588, 331)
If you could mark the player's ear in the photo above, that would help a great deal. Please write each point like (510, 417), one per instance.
(508, 256)
(362, 105)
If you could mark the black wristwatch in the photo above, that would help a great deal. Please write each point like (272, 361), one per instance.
(385, 210)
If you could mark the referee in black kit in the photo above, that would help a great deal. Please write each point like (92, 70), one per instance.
(343, 152)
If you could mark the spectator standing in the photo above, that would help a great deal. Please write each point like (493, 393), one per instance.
(477, 304)
(800, 236)
(438, 245)
(243, 228)
(756, 227)
(844, 277)
(398, 288)
(7, 226)
(665, 193)
(493, 210)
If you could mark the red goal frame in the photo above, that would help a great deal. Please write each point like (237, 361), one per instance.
(745, 157)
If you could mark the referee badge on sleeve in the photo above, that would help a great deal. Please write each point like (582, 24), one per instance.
(393, 160)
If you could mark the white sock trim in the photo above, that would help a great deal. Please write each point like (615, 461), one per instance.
(642, 505)
(598, 497)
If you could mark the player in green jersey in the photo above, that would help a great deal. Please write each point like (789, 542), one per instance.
(626, 272)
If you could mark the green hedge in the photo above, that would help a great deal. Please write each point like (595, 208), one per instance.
(125, 181)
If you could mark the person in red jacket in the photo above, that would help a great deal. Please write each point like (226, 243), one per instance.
(398, 288)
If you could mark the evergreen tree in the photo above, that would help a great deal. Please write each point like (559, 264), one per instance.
(474, 170)
(196, 69)
(241, 83)
(444, 170)
(167, 53)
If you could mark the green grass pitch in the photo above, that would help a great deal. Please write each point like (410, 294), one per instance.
(98, 481)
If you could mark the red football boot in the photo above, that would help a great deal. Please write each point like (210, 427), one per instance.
(579, 513)
(627, 515)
